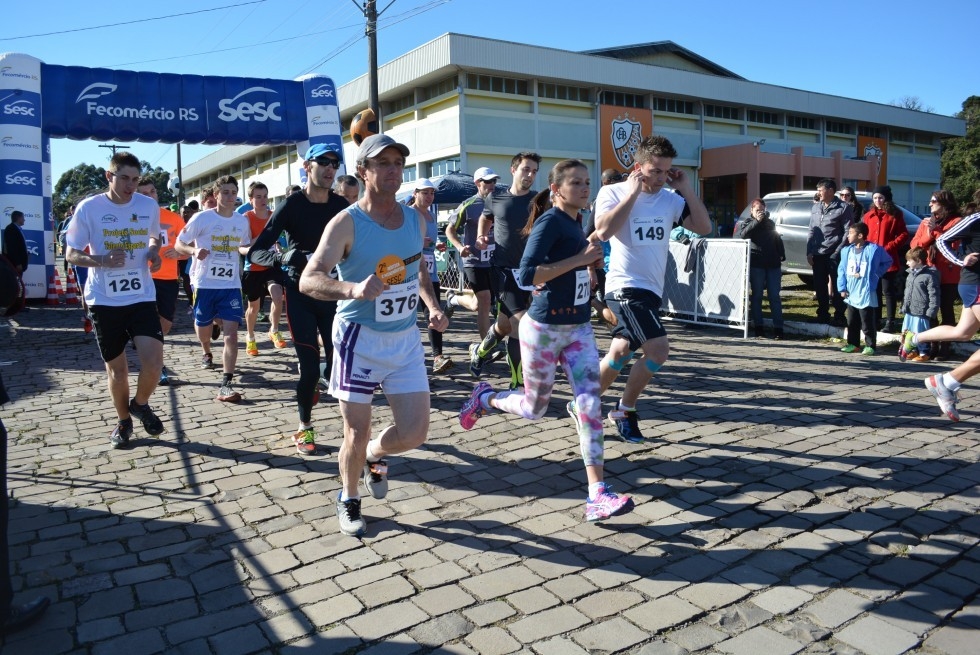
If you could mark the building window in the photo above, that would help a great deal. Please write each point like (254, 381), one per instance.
(765, 117)
(800, 122)
(838, 127)
(622, 99)
(410, 174)
(673, 105)
(563, 92)
(722, 111)
(447, 85)
(873, 132)
(497, 84)
(897, 135)
(444, 166)
(925, 139)
(400, 103)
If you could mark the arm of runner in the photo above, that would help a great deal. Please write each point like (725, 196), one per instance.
(153, 254)
(610, 215)
(437, 320)
(335, 244)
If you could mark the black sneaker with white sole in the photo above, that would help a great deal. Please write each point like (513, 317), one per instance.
(121, 434)
(151, 423)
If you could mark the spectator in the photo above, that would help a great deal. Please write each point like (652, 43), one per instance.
(861, 266)
(847, 195)
(347, 186)
(886, 228)
(14, 244)
(766, 254)
(830, 219)
(921, 301)
(945, 214)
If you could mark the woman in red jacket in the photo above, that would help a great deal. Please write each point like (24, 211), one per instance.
(886, 228)
(945, 214)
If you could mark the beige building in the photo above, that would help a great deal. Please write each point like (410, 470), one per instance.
(460, 102)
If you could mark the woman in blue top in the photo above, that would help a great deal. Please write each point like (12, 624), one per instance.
(556, 329)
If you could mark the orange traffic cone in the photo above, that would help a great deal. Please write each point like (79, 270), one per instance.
(53, 290)
(57, 286)
(71, 289)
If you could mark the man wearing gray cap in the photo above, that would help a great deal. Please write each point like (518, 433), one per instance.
(376, 247)
(303, 216)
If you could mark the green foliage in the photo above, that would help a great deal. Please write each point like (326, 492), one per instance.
(960, 163)
(160, 179)
(75, 185)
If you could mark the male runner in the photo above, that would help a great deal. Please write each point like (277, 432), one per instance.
(259, 280)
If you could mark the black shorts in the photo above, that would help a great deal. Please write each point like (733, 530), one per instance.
(478, 279)
(255, 284)
(513, 299)
(600, 288)
(167, 291)
(115, 326)
(638, 314)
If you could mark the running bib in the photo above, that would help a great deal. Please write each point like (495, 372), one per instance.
(855, 267)
(220, 268)
(583, 289)
(485, 254)
(397, 302)
(515, 272)
(430, 263)
(119, 284)
(648, 231)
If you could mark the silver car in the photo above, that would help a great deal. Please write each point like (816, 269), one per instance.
(790, 211)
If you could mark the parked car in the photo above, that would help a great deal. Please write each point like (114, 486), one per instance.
(790, 211)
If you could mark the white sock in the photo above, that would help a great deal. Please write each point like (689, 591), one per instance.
(625, 408)
(371, 457)
(950, 382)
(344, 497)
(595, 489)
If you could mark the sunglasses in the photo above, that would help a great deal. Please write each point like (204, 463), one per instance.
(845, 195)
(327, 161)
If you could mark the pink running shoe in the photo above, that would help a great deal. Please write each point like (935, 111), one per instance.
(472, 408)
(607, 504)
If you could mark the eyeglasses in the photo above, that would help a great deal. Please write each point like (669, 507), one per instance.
(933, 201)
(327, 161)
(845, 195)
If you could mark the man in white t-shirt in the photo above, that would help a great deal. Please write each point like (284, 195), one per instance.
(121, 230)
(636, 216)
(214, 239)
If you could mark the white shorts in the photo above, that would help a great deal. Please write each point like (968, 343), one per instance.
(365, 359)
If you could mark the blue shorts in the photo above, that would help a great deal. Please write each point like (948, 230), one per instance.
(968, 294)
(210, 304)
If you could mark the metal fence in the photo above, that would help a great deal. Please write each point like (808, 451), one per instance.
(708, 282)
(450, 269)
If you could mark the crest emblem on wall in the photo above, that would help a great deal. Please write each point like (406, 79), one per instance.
(626, 137)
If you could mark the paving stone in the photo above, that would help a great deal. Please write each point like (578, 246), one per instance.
(612, 635)
(492, 641)
(547, 624)
(877, 637)
(759, 640)
(782, 600)
(837, 608)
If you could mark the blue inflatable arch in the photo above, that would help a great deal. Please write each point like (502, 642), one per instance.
(39, 102)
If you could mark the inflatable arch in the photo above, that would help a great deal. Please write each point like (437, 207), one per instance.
(40, 101)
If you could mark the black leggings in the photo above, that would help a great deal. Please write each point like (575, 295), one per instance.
(308, 317)
(435, 336)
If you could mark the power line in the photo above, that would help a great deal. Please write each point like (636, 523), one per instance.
(131, 22)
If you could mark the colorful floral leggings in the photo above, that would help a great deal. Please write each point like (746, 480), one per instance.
(543, 347)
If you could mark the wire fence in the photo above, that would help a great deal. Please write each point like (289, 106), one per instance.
(708, 282)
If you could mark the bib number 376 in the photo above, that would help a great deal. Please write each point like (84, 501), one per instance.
(397, 302)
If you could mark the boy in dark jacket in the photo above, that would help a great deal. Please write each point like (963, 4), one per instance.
(766, 254)
(921, 301)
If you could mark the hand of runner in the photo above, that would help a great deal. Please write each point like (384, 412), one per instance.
(369, 289)
(438, 321)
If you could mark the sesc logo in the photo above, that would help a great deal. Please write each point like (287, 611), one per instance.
(21, 178)
(322, 91)
(96, 90)
(19, 108)
(248, 111)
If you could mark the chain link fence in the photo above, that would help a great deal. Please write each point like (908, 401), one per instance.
(707, 282)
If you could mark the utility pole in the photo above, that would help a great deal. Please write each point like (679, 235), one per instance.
(109, 145)
(371, 13)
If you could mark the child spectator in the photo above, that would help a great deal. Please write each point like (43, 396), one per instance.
(861, 266)
(921, 300)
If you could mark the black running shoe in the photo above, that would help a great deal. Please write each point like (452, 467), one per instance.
(144, 413)
(120, 436)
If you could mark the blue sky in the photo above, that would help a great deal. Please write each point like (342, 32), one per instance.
(877, 51)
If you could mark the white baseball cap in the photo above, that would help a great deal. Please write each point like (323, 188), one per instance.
(485, 174)
(424, 183)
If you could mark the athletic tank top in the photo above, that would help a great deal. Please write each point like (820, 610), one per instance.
(392, 255)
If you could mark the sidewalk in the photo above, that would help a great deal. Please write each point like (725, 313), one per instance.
(790, 499)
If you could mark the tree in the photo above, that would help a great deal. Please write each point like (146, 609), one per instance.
(960, 162)
(912, 102)
(75, 185)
